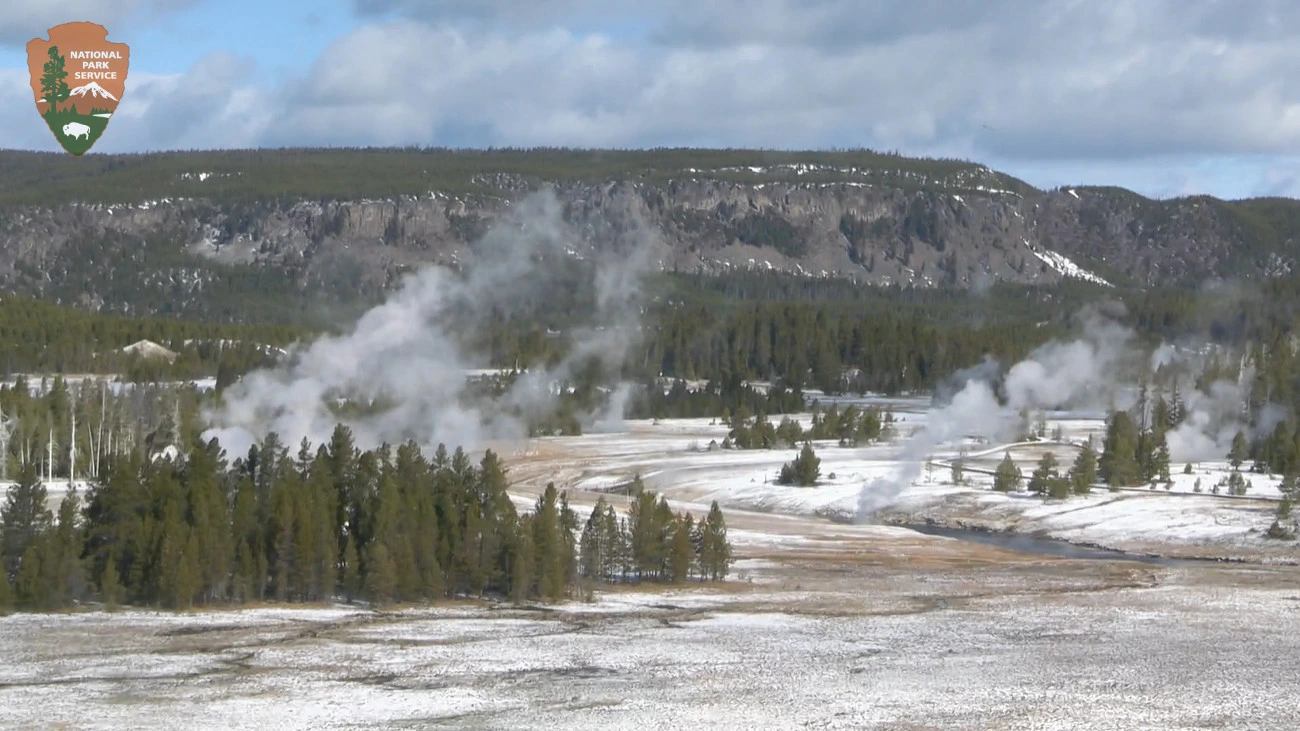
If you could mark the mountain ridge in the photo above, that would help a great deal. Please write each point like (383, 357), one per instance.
(348, 222)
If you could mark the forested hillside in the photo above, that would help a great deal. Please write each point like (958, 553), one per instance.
(830, 335)
(40, 337)
(312, 236)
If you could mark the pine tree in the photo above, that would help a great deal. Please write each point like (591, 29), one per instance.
(523, 561)
(803, 471)
(499, 520)
(390, 514)
(1240, 450)
(1118, 464)
(569, 526)
(189, 575)
(210, 518)
(246, 580)
(1046, 472)
(1161, 416)
(426, 538)
(715, 550)
(281, 539)
(1058, 487)
(664, 523)
(172, 580)
(350, 579)
(683, 553)
(1007, 476)
(24, 517)
(1177, 411)
(110, 586)
(380, 574)
(604, 544)
(548, 545)
(592, 547)
(643, 535)
(65, 573)
(30, 586)
(1161, 461)
(1290, 485)
(1084, 471)
(341, 458)
(468, 573)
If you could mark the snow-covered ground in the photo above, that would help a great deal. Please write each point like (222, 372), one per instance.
(683, 459)
(823, 623)
(1168, 656)
(675, 457)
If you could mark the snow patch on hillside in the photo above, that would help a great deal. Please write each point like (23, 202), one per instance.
(1067, 268)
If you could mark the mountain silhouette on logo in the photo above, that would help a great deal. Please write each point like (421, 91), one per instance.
(92, 90)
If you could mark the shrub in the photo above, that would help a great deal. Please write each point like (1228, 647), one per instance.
(803, 471)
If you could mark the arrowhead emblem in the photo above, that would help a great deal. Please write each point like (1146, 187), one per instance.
(78, 79)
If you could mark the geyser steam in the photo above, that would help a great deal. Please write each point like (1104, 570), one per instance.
(404, 352)
(1086, 373)
(1081, 373)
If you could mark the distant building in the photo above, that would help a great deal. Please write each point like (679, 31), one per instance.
(150, 349)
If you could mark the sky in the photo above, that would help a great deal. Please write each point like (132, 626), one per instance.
(1165, 97)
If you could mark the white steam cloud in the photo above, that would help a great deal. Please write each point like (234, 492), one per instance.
(1213, 419)
(1081, 373)
(1095, 373)
(405, 352)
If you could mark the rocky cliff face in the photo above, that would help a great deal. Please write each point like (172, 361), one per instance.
(936, 233)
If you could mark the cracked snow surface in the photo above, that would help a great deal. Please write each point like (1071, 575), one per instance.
(1188, 652)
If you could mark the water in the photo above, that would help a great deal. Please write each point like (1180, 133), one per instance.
(1039, 546)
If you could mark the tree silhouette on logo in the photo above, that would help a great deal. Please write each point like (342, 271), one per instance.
(54, 82)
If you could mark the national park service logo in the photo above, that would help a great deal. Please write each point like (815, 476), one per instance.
(78, 78)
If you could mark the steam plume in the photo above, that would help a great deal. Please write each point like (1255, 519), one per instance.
(403, 352)
(1080, 373)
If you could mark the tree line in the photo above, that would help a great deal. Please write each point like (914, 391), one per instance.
(744, 326)
(337, 523)
(41, 337)
(851, 427)
(355, 173)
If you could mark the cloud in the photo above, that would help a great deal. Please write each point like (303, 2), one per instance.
(1068, 91)
(209, 106)
(1060, 81)
(23, 20)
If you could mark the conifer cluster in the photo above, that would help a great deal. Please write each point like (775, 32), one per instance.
(851, 427)
(338, 523)
(652, 543)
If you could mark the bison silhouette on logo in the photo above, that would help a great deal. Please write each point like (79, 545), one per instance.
(76, 129)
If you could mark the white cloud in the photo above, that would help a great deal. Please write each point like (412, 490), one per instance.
(1056, 88)
(209, 106)
(1094, 83)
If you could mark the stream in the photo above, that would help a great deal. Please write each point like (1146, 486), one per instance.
(1039, 546)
